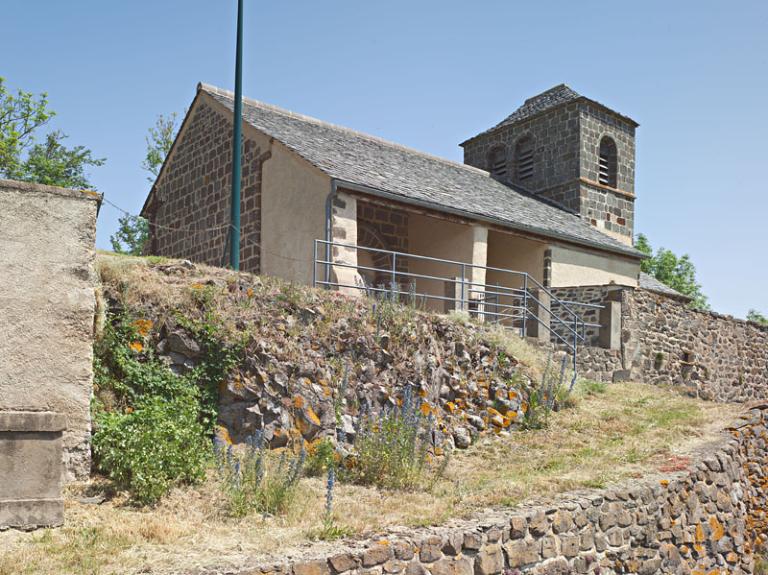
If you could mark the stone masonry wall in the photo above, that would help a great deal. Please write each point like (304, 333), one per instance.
(47, 303)
(714, 356)
(190, 207)
(556, 149)
(386, 228)
(701, 516)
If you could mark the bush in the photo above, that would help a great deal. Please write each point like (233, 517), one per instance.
(152, 448)
(392, 448)
(253, 481)
(152, 425)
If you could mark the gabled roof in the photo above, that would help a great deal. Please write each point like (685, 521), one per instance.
(548, 100)
(403, 173)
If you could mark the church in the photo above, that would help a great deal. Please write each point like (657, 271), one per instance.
(544, 199)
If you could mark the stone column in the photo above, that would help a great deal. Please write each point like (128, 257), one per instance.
(610, 325)
(344, 230)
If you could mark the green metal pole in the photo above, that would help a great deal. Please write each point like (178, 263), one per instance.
(237, 147)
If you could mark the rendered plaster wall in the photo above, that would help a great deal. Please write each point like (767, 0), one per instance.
(47, 303)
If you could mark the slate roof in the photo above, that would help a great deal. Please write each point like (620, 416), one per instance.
(403, 173)
(547, 100)
(650, 283)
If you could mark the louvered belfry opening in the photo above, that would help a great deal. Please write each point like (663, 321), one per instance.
(607, 162)
(497, 162)
(524, 159)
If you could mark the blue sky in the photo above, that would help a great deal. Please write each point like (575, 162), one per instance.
(429, 74)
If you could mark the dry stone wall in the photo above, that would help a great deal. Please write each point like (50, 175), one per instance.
(705, 515)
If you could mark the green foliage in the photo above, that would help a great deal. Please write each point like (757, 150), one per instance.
(159, 142)
(678, 272)
(253, 481)
(590, 388)
(152, 425)
(21, 117)
(757, 317)
(551, 395)
(321, 458)
(54, 164)
(131, 236)
(151, 449)
(392, 448)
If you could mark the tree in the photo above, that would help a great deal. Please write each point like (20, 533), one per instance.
(133, 231)
(159, 142)
(21, 117)
(757, 317)
(678, 272)
(131, 235)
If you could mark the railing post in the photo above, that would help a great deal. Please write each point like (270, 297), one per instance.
(393, 281)
(463, 287)
(575, 349)
(314, 264)
(524, 327)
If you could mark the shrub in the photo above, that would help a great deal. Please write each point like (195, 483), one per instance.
(252, 481)
(152, 448)
(392, 448)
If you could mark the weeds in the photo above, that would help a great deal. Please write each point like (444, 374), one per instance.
(392, 448)
(252, 481)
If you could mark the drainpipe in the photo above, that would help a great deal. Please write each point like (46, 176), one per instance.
(329, 225)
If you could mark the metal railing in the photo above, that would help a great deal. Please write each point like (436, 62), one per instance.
(517, 303)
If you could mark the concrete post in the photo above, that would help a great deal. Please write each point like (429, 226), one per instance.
(610, 322)
(539, 329)
(344, 230)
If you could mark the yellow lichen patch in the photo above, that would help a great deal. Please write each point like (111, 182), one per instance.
(699, 534)
(498, 421)
(298, 401)
(312, 416)
(450, 407)
(512, 394)
(143, 327)
(136, 346)
(664, 482)
(524, 407)
(249, 292)
(197, 286)
(425, 408)
(718, 531)
(221, 433)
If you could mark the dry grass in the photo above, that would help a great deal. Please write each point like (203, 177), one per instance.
(623, 432)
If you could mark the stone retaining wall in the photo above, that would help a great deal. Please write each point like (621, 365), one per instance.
(702, 516)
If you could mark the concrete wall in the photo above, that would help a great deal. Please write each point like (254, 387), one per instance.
(47, 304)
(574, 267)
(705, 517)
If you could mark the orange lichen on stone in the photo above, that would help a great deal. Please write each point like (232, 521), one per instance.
(450, 407)
(512, 394)
(136, 346)
(312, 416)
(222, 434)
(664, 482)
(425, 408)
(143, 327)
(699, 534)
(298, 401)
(718, 531)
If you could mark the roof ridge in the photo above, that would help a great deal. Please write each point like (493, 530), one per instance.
(290, 113)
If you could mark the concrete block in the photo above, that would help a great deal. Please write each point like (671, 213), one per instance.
(31, 469)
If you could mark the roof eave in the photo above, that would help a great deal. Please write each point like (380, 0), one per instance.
(629, 252)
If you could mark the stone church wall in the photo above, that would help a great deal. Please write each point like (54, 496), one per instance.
(190, 209)
(702, 515)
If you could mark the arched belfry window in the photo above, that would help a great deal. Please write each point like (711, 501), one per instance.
(497, 162)
(607, 162)
(524, 159)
